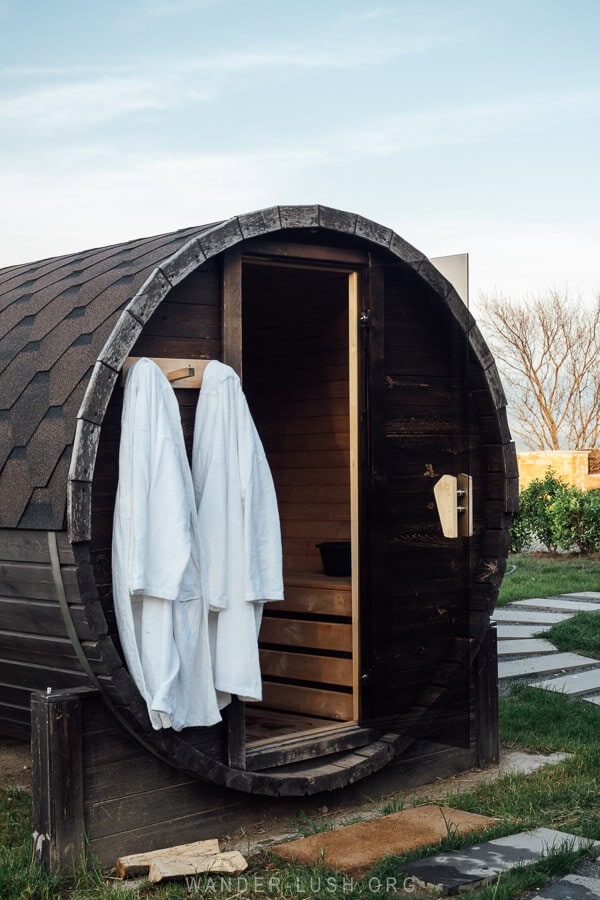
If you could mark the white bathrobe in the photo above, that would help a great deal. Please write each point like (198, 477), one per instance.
(161, 614)
(240, 538)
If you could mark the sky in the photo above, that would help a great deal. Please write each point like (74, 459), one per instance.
(464, 126)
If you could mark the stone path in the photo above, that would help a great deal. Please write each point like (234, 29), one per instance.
(524, 656)
(463, 870)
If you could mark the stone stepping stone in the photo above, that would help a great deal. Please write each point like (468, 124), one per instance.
(571, 887)
(573, 685)
(462, 870)
(584, 595)
(555, 604)
(524, 616)
(354, 849)
(595, 700)
(544, 665)
(525, 648)
(518, 632)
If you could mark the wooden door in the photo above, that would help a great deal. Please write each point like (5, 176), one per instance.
(414, 425)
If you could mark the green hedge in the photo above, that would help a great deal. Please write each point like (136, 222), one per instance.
(558, 516)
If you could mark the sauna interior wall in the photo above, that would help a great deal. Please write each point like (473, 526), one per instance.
(295, 364)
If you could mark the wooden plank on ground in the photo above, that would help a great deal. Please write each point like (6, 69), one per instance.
(171, 868)
(137, 864)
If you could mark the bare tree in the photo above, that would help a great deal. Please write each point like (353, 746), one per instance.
(548, 351)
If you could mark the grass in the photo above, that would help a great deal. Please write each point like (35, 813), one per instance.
(581, 634)
(545, 574)
(563, 796)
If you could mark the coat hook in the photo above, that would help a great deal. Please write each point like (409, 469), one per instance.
(176, 374)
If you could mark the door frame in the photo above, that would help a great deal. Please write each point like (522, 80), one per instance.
(353, 263)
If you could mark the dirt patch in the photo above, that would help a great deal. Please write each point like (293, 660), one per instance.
(15, 764)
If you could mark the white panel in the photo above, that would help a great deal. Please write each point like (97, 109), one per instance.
(456, 269)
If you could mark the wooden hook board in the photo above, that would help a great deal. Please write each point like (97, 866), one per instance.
(172, 367)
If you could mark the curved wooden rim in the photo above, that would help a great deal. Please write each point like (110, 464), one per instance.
(171, 747)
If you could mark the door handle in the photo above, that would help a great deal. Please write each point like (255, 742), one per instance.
(454, 500)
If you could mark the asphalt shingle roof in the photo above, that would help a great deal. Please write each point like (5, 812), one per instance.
(55, 317)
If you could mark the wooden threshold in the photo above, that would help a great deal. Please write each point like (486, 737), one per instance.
(310, 744)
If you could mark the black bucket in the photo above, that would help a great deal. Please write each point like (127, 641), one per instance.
(336, 557)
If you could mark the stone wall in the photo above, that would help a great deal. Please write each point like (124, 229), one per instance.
(580, 468)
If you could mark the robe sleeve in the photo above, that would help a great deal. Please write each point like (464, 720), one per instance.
(160, 535)
(212, 484)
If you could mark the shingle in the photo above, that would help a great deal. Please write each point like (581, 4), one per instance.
(55, 317)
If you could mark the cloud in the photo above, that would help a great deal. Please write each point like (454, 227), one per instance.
(82, 96)
(465, 123)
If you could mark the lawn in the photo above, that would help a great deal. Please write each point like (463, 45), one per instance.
(581, 634)
(545, 574)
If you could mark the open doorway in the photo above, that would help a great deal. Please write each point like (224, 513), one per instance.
(299, 374)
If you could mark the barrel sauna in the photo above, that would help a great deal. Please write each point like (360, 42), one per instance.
(368, 380)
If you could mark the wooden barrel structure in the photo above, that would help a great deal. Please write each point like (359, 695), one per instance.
(368, 379)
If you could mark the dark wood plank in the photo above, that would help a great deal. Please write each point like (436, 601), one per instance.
(487, 701)
(34, 581)
(18, 545)
(57, 781)
(41, 617)
(236, 734)
(307, 747)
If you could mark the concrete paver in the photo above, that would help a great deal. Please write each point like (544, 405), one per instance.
(580, 683)
(461, 870)
(571, 887)
(543, 665)
(524, 616)
(518, 632)
(558, 604)
(530, 647)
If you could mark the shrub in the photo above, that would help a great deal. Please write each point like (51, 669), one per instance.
(557, 516)
(576, 520)
(535, 520)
